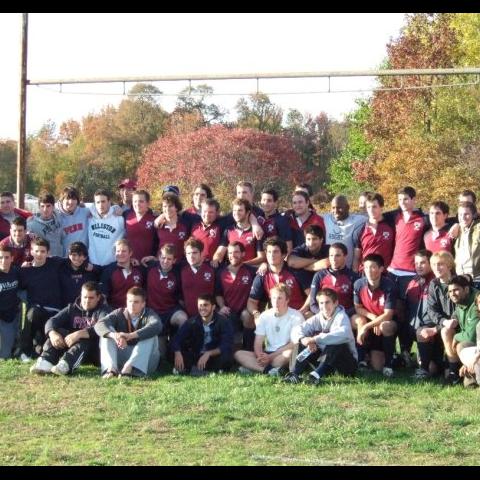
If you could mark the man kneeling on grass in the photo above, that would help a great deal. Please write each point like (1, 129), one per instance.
(328, 333)
(71, 334)
(274, 327)
(129, 338)
(204, 343)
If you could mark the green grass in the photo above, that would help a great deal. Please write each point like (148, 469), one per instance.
(233, 419)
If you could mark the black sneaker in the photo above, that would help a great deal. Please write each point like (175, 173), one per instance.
(314, 378)
(453, 379)
(291, 378)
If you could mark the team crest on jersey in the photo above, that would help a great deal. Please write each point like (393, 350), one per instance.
(148, 225)
(182, 235)
(270, 228)
(245, 279)
(417, 225)
(170, 284)
(207, 276)
(249, 240)
(136, 279)
(345, 287)
(213, 233)
(289, 282)
(386, 235)
(381, 301)
(444, 242)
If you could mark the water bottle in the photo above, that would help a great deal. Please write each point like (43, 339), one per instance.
(304, 354)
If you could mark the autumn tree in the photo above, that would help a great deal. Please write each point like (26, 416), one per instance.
(8, 161)
(196, 100)
(258, 112)
(220, 157)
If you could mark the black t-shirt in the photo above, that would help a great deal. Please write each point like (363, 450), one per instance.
(9, 301)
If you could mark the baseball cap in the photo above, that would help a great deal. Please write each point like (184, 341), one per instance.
(172, 189)
(128, 183)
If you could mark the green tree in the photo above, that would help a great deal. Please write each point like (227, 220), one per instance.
(8, 161)
(354, 158)
(260, 113)
(196, 100)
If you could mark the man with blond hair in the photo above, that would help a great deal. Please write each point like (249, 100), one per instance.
(273, 345)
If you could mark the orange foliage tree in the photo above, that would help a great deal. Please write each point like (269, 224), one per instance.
(221, 157)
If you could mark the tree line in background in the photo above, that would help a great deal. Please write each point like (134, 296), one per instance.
(425, 137)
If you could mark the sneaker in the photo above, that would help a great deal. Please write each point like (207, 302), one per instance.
(61, 368)
(274, 372)
(469, 381)
(291, 378)
(196, 372)
(41, 366)
(25, 358)
(387, 372)
(244, 370)
(363, 366)
(452, 379)
(175, 371)
(408, 359)
(314, 378)
(421, 374)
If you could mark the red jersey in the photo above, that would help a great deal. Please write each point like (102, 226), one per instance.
(116, 285)
(163, 291)
(140, 234)
(195, 284)
(20, 254)
(246, 237)
(298, 235)
(380, 241)
(262, 284)
(235, 289)
(210, 237)
(408, 238)
(436, 241)
(177, 236)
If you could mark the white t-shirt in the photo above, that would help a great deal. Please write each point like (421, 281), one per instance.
(277, 329)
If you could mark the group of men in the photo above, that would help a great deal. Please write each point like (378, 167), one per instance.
(276, 292)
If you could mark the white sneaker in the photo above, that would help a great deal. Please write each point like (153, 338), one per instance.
(387, 372)
(175, 371)
(61, 368)
(25, 358)
(41, 366)
(274, 372)
(244, 370)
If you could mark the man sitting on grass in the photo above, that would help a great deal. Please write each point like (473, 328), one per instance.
(274, 327)
(327, 333)
(71, 334)
(129, 338)
(204, 343)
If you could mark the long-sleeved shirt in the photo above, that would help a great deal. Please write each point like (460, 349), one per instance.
(147, 326)
(334, 331)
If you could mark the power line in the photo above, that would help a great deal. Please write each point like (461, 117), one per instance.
(237, 94)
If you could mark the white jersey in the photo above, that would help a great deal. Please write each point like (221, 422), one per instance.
(102, 235)
(343, 231)
(277, 330)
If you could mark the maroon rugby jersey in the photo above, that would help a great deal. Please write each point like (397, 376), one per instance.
(140, 234)
(408, 238)
(196, 283)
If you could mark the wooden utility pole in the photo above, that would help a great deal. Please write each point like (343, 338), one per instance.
(22, 136)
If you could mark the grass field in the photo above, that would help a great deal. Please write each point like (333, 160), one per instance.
(233, 420)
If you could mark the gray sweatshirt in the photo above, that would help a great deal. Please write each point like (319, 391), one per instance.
(74, 226)
(148, 325)
(335, 331)
(50, 230)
